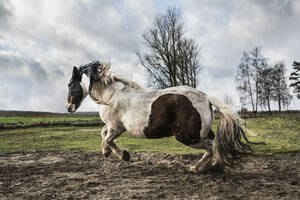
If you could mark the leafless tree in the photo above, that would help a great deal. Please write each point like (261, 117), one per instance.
(247, 77)
(265, 86)
(244, 81)
(281, 90)
(272, 86)
(295, 78)
(172, 59)
(258, 62)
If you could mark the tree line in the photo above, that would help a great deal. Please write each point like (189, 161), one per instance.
(259, 83)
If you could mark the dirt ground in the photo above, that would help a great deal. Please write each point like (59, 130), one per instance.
(69, 175)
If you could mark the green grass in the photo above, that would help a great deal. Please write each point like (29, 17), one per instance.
(280, 133)
(30, 120)
(81, 139)
(59, 138)
(164, 145)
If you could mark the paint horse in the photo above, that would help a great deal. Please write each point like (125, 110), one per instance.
(181, 111)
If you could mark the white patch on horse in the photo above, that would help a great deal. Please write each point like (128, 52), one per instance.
(85, 91)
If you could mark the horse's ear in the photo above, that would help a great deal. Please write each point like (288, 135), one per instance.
(76, 74)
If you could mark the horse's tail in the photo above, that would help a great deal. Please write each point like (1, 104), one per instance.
(228, 148)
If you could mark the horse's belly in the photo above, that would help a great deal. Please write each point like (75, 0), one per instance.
(135, 121)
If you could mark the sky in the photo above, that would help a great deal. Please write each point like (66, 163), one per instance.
(41, 41)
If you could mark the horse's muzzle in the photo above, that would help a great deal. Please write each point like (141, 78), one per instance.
(71, 108)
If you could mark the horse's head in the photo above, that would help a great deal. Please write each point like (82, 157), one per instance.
(76, 91)
(96, 72)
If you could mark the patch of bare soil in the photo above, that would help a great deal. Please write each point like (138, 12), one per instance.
(68, 175)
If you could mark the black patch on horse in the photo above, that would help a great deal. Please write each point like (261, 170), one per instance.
(91, 71)
(174, 114)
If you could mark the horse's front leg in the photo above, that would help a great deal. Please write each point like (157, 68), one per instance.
(105, 148)
(111, 135)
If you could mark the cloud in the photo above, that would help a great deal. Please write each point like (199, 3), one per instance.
(42, 40)
(5, 12)
(46, 39)
(225, 30)
(14, 64)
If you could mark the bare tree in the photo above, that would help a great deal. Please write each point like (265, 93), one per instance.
(244, 81)
(272, 86)
(295, 78)
(265, 86)
(281, 91)
(172, 59)
(247, 77)
(258, 62)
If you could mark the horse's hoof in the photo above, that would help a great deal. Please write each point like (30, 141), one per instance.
(106, 154)
(125, 156)
(193, 170)
(217, 168)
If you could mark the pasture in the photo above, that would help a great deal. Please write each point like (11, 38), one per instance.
(61, 162)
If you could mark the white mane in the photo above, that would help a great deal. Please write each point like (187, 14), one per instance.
(107, 78)
(126, 82)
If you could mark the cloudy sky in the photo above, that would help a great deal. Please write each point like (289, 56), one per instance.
(41, 40)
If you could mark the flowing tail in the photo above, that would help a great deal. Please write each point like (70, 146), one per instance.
(228, 148)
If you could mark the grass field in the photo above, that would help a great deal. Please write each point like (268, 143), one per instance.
(280, 133)
(30, 120)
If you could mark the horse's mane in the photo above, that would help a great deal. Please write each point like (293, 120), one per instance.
(99, 72)
(126, 82)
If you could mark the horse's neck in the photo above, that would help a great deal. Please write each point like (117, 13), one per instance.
(106, 94)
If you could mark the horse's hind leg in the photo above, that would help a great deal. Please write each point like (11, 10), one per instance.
(111, 135)
(204, 164)
(105, 148)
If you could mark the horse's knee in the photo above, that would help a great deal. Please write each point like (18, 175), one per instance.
(104, 131)
(109, 141)
(109, 137)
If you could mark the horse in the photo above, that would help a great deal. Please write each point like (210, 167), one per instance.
(180, 111)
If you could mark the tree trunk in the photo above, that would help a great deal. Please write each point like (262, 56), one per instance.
(279, 104)
(250, 92)
(269, 107)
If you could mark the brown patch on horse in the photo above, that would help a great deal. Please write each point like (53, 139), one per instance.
(174, 114)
